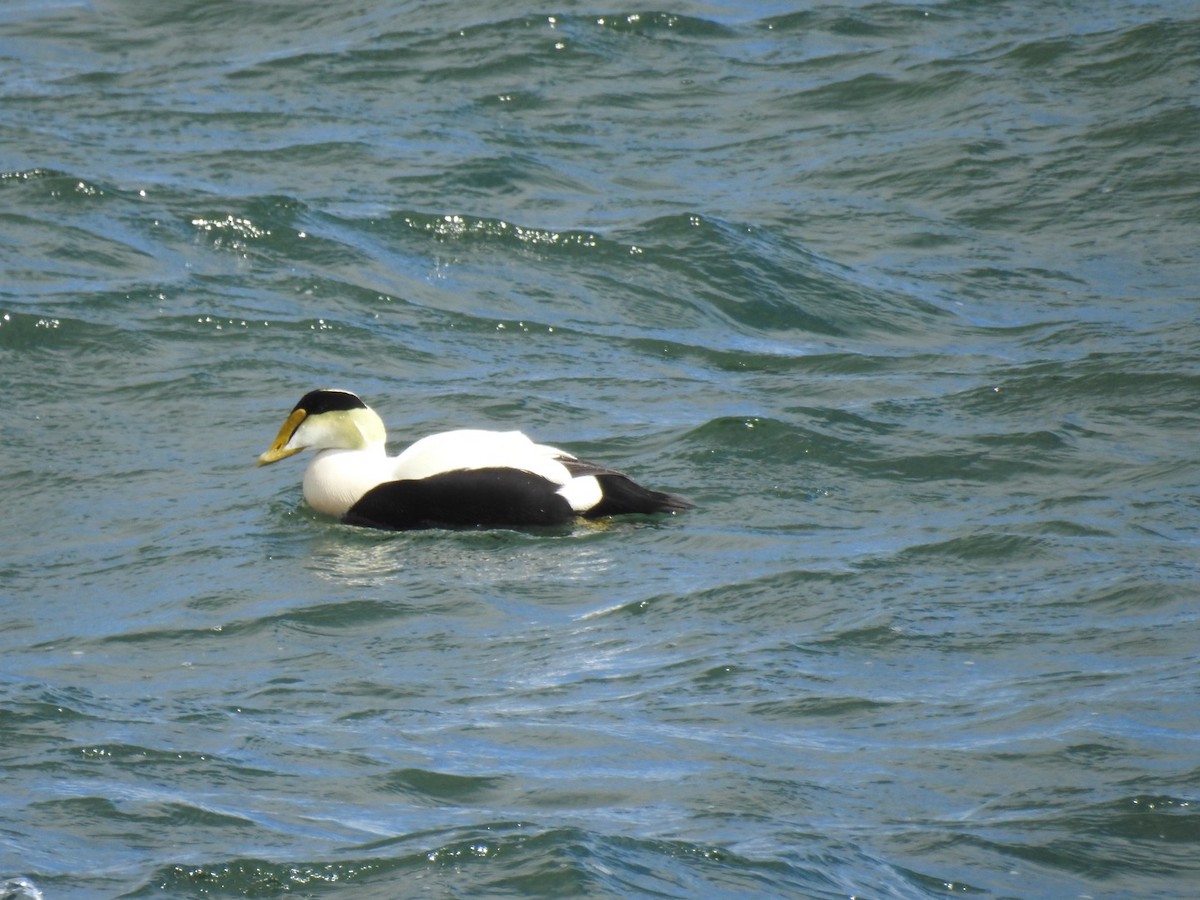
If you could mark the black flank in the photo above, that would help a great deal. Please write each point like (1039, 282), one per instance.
(469, 497)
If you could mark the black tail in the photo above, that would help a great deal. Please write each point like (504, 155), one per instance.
(624, 496)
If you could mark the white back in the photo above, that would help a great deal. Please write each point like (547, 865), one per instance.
(477, 449)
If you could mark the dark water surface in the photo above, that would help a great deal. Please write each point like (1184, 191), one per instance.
(905, 298)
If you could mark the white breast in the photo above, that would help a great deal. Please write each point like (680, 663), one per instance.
(336, 479)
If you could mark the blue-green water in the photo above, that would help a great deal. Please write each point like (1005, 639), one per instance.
(904, 298)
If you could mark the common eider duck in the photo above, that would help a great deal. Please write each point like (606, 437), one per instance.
(453, 479)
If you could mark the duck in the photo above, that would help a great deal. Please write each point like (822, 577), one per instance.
(462, 478)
